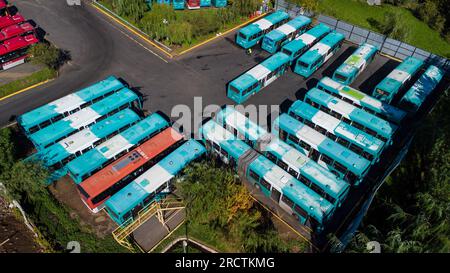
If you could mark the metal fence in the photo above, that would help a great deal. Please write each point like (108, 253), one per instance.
(358, 35)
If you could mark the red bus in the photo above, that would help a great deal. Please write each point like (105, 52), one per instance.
(9, 20)
(98, 188)
(2, 4)
(15, 30)
(14, 51)
(193, 4)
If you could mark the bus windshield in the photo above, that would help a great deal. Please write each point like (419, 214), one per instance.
(303, 64)
(242, 36)
(287, 52)
(340, 77)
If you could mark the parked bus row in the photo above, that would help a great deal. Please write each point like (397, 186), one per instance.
(189, 4)
(16, 36)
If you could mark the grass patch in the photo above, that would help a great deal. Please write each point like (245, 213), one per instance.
(37, 77)
(202, 24)
(359, 13)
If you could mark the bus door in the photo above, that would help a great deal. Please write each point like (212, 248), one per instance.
(275, 195)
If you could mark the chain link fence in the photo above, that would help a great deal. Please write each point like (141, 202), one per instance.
(358, 35)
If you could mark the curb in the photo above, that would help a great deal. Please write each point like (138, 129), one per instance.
(124, 23)
(25, 89)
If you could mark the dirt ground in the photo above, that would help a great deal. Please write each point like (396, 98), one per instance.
(15, 237)
(65, 191)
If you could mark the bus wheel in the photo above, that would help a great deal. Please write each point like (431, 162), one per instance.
(296, 217)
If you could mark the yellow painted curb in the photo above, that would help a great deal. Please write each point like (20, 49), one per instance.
(222, 34)
(25, 89)
(132, 30)
(160, 48)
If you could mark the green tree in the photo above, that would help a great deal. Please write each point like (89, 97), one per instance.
(133, 9)
(7, 152)
(308, 5)
(47, 54)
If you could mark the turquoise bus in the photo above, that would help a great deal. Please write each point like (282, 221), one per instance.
(153, 185)
(302, 168)
(178, 4)
(278, 37)
(205, 3)
(316, 56)
(124, 98)
(87, 164)
(361, 100)
(219, 3)
(260, 76)
(304, 42)
(348, 136)
(423, 87)
(53, 111)
(355, 64)
(55, 157)
(333, 156)
(390, 86)
(305, 205)
(352, 115)
(250, 35)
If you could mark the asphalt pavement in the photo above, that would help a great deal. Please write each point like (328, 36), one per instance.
(99, 47)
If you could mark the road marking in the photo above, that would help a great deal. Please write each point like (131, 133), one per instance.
(221, 35)
(134, 32)
(25, 89)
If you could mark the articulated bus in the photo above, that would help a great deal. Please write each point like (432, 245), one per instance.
(250, 35)
(178, 4)
(278, 37)
(86, 165)
(260, 76)
(16, 30)
(98, 188)
(219, 3)
(301, 202)
(359, 99)
(59, 154)
(390, 86)
(304, 42)
(124, 98)
(339, 160)
(320, 53)
(418, 93)
(348, 136)
(355, 64)
(45, 115)
(9, 20)
(288, 158)
(152, 185)
(352, 115)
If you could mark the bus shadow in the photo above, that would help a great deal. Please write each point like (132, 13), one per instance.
(285, 105)
(340, 60)
(369, 84)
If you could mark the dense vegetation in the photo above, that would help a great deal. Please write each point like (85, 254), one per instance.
(221, 213)
(424, 24)
(25, 182)
(411, 212)
(172, 27)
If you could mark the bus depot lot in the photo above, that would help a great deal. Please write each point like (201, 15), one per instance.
(221, 61)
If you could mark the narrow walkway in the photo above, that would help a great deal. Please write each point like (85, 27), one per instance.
(18, 72)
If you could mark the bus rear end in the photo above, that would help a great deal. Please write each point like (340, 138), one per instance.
(219, 3)
(193, 4)
(205, 3)
(178, 4)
